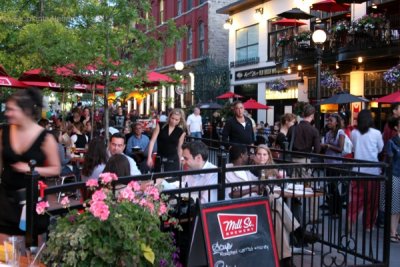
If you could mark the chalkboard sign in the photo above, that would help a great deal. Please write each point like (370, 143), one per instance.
(234, 233)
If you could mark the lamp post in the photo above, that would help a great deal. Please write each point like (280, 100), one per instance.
(318, 37)
(178, 89)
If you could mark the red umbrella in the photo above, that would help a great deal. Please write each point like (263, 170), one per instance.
(41, 75)
(392, 98)
(330, 6)
(8, 81)
(158, 77)
(252, 104)
(289, 22)
(229, 95)
(57, 87)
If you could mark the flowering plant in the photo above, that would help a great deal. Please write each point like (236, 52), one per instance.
(392, 76)
(283, 40)
(330, 81)
(121, 231)
(341, 26)
(303, 36)
(367, 22)
(279, 85)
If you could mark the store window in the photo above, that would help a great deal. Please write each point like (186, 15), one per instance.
(189, 4)
(178, 47)
(201, 39)
(179, 7)
(189, 46)
(247, 43)
(161, 11)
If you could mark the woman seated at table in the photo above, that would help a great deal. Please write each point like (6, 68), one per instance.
(95, 159)
(119, 165)
(64, 154)
(78, 138)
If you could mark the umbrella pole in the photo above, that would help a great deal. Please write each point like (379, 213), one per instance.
(93, 108)
(63, 106)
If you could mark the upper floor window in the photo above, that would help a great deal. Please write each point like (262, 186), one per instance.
(178, 47)
(247, 43)
(189, 47)
(202, 1)
(161, 11)
(179, 7)
(189, 4)
(201, 39)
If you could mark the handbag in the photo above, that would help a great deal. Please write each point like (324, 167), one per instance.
(347, 146)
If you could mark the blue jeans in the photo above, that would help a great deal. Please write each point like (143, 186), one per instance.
(195, 134)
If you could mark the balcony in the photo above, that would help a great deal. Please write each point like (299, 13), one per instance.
(245, 62)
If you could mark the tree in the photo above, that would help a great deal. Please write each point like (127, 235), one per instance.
(108, 42)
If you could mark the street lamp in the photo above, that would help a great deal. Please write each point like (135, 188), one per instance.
(178, 88)
(318, 37)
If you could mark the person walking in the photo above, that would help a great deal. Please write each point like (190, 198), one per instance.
(368, 143)
(169, 140)
(194, 124)
(238, 129)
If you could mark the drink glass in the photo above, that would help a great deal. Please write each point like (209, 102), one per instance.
(12, 249)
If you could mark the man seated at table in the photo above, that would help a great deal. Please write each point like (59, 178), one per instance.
(137, 140)
(195, 157)
(117, 146)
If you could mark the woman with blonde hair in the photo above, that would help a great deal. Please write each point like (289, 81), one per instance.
(169, 139)
(263, 156)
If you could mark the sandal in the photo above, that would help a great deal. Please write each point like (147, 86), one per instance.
(394, 239)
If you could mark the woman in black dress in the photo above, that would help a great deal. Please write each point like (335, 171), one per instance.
(21, 141)
(169, 139)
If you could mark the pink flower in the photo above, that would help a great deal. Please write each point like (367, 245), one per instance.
(126, 194)
(153, 191)
(99, 195)
(150, 206)
(134, 185)
(108, 177)
(143, 202)
(100, 210)
(65, 202)
(162, 209)
(92, 183)
(41, 207)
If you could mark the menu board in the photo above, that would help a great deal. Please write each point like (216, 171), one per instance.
(234, 233)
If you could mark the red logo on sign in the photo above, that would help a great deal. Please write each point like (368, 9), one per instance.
(236, 225)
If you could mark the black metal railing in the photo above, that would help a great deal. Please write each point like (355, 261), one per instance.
(338, 239)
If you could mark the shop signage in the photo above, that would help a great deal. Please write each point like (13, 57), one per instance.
(230, 233)
(257, 73)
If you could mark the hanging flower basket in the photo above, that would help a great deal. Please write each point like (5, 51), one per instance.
(330, 81)
(392, 76)
(279, 85)
(283, 40)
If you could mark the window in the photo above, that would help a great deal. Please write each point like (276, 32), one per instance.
(247, 43)
(179, 7)
(161, 11)
(189, 4)
(178, 51)
(278, 51)
(202, 1)
(201, 39)
(189, 46)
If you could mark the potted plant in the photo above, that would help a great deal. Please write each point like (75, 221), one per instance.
(392, 76)
(121, 231)
(283, 40)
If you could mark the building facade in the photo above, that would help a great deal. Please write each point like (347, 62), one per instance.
(204, 40)
(266, 52)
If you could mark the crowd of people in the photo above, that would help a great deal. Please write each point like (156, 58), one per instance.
(135, 147)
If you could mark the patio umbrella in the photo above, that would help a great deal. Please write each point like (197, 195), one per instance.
(289, 22)
(209, 105)
(350, 1)
(8, 81)
(343, 99)
(57, 87)
(253, 104)
(295, 13)
(229, 95)
(330, 6)
(392, 98)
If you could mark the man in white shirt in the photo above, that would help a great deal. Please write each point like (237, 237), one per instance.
(117, 146)
(195, 155)
(194, 124)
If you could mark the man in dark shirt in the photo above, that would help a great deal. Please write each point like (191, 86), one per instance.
(119, 118)
(306, 139)
(306, 136)
(238, 129)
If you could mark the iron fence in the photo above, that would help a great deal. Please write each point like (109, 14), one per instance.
(318, 202)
